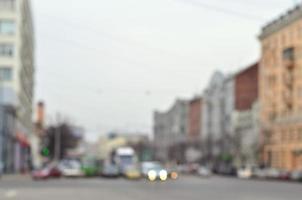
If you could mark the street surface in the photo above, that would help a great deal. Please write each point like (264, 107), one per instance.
(188, 188)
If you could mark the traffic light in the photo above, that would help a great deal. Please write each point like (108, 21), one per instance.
(45, 152)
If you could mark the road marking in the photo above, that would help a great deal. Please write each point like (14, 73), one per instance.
(11, 194)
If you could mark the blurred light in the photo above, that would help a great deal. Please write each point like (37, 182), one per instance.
(163, 175)
(174, 175)
(152, 175)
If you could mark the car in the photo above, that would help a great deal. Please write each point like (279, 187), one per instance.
(154, 171)
(259, 173)
(245, 172)
(50, 171)
(71, 168)
(204, 171)
(110, 170)
(273, 173)
(296, 175)
(132, 172)
(284, 175)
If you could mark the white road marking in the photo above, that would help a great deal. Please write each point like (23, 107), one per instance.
(11, 194)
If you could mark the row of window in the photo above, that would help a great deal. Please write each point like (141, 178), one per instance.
(6, 74)
(7, 27)
(7, 4)
(288, 136)
(6, 50)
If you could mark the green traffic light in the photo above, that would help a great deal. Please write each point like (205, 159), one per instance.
(45, 152)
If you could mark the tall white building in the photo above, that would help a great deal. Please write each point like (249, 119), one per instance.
(17, 70)
(170, 128)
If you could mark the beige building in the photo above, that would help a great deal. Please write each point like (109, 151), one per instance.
(17, 59)
(281, 91)
(17, 71)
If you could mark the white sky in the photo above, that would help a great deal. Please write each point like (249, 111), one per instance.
(107, 64)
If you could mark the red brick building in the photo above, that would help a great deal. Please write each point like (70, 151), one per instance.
(194, 118)
(246, 87)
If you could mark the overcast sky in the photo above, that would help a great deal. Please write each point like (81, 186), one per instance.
(108, 64)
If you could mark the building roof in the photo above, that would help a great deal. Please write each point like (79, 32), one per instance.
(284, 20)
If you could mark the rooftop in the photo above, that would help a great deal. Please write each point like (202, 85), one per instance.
(284, 20)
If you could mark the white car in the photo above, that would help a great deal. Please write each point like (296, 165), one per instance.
(245, 173)
(204, 172)
(154, 171)
(71, 168)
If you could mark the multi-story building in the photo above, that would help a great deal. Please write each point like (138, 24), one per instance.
(245, 116)
(17, 71)
(194, 119)
(281, 91)
(213, 116)
(170, 131)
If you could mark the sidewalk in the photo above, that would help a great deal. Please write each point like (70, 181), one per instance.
(14, 177)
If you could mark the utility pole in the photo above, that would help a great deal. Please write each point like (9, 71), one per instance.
(57, 139)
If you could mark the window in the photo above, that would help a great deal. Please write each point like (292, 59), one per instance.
(288, 54)
(6, 50)
(7, 27)
(6, 74)
(7, 4)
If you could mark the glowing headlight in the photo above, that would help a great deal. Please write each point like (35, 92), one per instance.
(152, 175)
(163, 175)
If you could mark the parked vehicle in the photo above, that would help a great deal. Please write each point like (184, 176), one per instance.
(71, 168)
(296, 175)
(154, 171)
(204, 171)
(110, 170)
(50, 171)
(284, 175)
(132, 172)
(260, 173)
(245, 172)
(273, 173)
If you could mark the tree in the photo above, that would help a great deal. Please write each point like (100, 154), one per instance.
(60, 136)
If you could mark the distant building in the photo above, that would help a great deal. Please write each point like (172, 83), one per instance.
(245, 117)
(170, 131)
(194, 119)
(216, 116)
(281, 91)
(17, 74)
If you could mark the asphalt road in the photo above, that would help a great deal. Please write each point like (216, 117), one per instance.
(188, 188)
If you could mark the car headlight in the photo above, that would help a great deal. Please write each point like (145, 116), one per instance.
(152, 175)
(163, 175)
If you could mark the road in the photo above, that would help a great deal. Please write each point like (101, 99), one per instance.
(188, 188)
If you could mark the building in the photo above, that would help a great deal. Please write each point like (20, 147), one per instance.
(281, 91)
(212, 117)
(16, 72)
(194, 119)
(245, 118)
(170, 131)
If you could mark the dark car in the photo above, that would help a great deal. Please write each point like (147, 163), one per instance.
(50, 171)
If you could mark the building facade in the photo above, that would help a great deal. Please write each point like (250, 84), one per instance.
(213, 117)
(245, 117)
(17, 72)
(195, 119)
(170, 131)
(281, 91)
